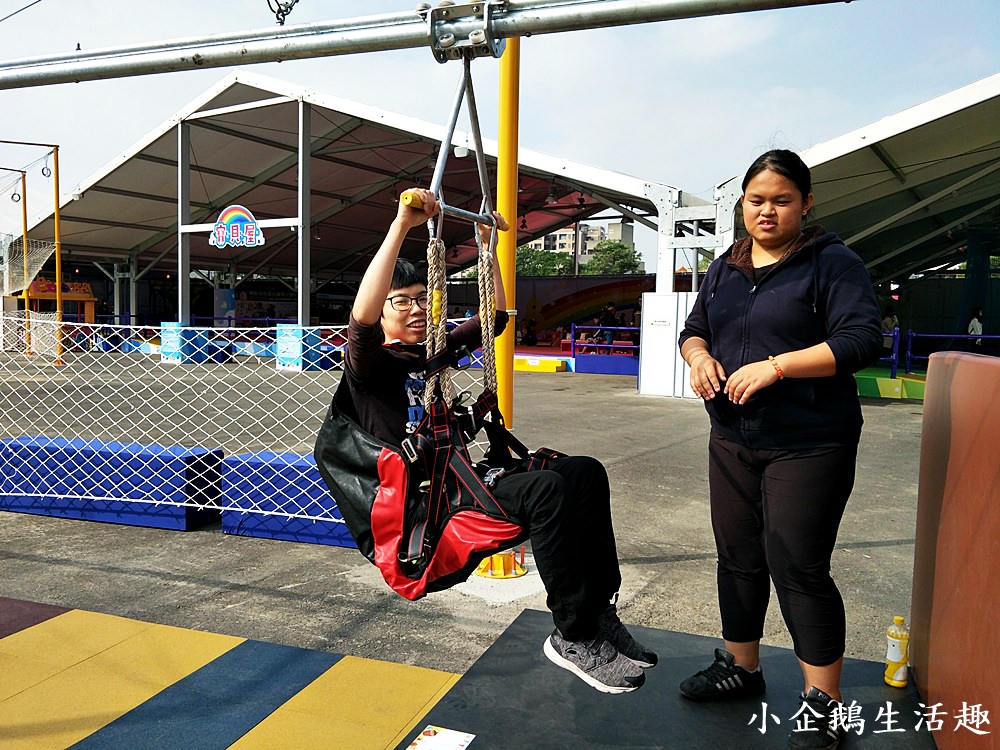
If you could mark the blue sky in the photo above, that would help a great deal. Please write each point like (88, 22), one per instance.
(690, 102)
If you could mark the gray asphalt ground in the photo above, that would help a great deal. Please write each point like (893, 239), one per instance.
(329, 598)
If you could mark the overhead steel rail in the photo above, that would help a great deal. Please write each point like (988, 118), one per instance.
(416, 28)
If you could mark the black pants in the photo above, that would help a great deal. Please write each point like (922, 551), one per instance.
(567, 511)
(775, 515)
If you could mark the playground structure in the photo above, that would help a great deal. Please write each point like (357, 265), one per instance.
(480, 28)
(87, 423)
(188, 367)
(682, 226)
(450, 29)
(80, 293)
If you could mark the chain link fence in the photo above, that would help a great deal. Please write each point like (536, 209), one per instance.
(171, 426)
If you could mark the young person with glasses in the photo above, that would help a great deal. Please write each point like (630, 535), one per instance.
(566, 509)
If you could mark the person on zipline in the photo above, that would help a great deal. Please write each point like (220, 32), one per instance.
(566, 509)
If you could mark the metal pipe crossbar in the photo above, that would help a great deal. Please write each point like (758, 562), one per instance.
(363, 34)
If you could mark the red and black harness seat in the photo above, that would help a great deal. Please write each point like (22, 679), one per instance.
(423, 513)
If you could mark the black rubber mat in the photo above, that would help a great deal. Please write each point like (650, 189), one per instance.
(513, 697)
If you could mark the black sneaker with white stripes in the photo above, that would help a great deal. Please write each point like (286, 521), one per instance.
(723, 680)
(815, 724)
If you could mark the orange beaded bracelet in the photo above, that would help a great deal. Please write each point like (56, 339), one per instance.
(777, 367)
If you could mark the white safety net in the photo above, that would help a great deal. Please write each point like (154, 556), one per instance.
(18, 267)
(41, 334)
(165, 426)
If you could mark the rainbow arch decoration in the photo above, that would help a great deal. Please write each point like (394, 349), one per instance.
(561, 300)
(236, 227)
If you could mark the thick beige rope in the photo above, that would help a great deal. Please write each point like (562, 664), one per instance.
(437, 319)
(487, 310)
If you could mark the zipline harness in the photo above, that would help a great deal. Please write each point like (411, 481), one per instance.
(423, 512)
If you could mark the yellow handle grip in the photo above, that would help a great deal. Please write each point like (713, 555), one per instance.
(436, 307)
(412, 199)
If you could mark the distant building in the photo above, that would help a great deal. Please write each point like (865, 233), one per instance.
(578, 238)
(623, 232)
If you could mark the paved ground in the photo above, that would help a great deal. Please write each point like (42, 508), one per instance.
(332, 599)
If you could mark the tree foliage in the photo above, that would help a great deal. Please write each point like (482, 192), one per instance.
(536, 262)
(612, 258)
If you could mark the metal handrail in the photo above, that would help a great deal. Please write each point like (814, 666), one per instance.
(911, 335)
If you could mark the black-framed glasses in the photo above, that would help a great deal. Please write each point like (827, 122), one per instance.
(403, 302)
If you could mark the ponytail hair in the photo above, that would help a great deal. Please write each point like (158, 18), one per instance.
(786, 163)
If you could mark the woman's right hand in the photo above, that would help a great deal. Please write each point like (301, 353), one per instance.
(707, 375)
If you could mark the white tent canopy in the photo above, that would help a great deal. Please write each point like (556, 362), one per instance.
(902, 190)
(244, 151)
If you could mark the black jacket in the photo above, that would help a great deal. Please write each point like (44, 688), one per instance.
(819, 291)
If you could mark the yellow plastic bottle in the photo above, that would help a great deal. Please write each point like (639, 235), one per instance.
(897, 654)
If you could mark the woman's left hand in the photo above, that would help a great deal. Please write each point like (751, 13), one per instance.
(749, 379)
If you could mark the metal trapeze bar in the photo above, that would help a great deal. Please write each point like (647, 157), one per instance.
(365, 34)
(477, 139)
(463, 92)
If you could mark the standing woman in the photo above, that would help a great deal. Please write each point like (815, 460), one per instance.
(784, 319)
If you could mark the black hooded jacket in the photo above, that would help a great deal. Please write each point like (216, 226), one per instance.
(819, 291)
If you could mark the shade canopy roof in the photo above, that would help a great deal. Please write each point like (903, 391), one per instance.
(244, 151)
(903, 190)
(900, 191)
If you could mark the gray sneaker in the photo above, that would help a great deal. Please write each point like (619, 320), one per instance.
(611, 629)
(595, 662)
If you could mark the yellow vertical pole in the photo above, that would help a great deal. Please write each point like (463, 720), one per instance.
(55, 224)
(24, 228)
(25, 293)
(507, 158)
